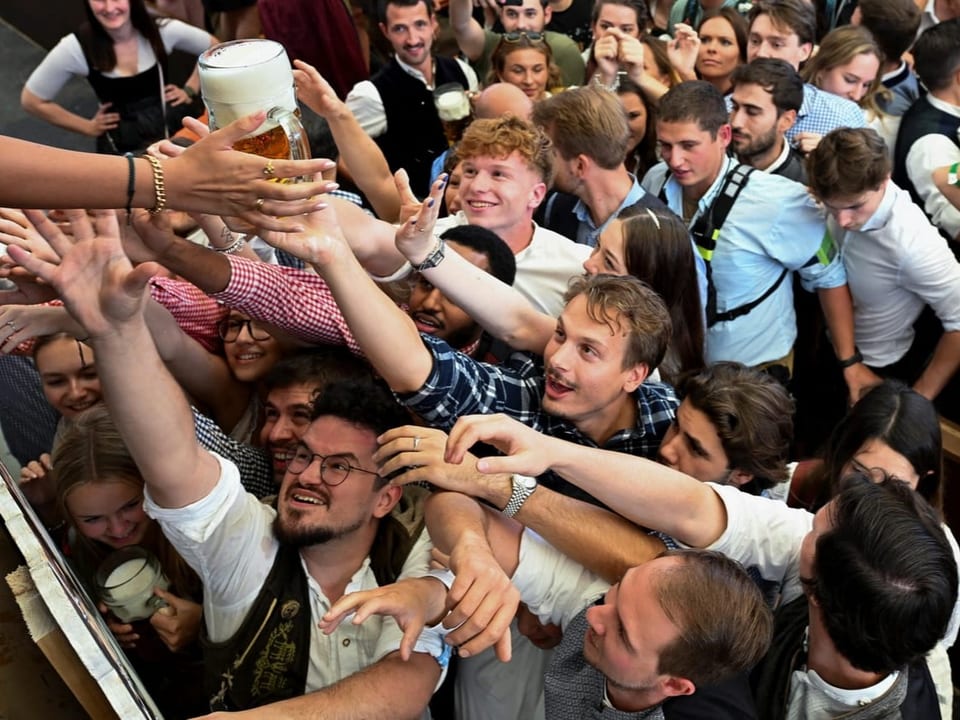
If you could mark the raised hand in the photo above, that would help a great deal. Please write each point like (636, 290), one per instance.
(95, 278)
(420, 452)
(409, 204)
(683, 50)
(414, 238)
(16, 229)
(320, 242)
(315, 92)
(19, 323)
(606, 52)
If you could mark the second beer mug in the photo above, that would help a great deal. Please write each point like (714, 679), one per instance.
(243, 76)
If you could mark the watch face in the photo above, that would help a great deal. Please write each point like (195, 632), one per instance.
(526, 481)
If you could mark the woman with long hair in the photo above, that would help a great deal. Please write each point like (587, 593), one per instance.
(641, 119)
(723, 46)
(524, 59)
(123, 53)
(100, 494)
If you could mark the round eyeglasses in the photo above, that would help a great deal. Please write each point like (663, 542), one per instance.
(334, 469)
(229, 329)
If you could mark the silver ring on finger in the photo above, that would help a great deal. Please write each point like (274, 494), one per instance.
(416, 442)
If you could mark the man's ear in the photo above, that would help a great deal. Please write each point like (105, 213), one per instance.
(547, 15)
(786, 121)
(388, 496)
(739, 477)
(807, 50)
(725, 134)
(635, 377)
(383, 29)
(674, 686)
(537, 193)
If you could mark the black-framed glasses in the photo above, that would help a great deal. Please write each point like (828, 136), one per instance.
(518, 35)
(334, 469)
(229, 329)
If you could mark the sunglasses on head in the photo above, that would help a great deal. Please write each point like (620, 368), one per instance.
(514, 37)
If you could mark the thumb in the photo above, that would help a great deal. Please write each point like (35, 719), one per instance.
(170, 599)
(238, 128)
(403, 186)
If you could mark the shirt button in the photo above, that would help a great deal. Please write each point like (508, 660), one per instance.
(346, 642)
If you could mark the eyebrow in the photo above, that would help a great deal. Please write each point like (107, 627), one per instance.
(342, 454)
(623, 628)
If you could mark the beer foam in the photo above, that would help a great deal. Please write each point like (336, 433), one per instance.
(452, 106)
(246, 72)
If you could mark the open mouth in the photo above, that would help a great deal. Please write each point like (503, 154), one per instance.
(301, 498)
(556, 388)
(480, 204)
(426, 323)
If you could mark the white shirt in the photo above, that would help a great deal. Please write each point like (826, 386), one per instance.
(929, 152)
(66, 59)
(366, 104)
(227, 538)
(544, 267)
(897, 263)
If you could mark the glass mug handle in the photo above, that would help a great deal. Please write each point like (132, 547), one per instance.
(296, 135)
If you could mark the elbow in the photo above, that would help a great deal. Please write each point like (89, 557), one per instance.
(29, 102)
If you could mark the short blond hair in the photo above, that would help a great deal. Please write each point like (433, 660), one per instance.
(500, 137)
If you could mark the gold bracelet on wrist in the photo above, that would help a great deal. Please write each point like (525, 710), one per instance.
(159, 190)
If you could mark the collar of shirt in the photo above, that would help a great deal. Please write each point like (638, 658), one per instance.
(416, 73)
(895, 76)
(583, 212)
(943, 105)
(781, 159)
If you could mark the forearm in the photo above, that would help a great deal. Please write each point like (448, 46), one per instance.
(370, 239)
(837, 309)
(649, 494)
(205, 268)
(942, 366)
(456, 520)
(498, 308)
(390, 689)
(153, 417)
(383, 331)
(56, 114)
(470, 36)
(365, 164)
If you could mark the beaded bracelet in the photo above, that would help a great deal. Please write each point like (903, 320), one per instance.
(234, 246)
(159, 190)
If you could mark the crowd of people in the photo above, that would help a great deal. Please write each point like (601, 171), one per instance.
(625, 403)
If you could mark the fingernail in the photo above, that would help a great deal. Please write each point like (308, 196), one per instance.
(333, 186)
(430, 203)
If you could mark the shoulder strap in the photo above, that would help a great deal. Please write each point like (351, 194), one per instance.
(706, 231)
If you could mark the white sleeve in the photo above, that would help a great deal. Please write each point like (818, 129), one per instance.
(931, 271)
(178, 35)
(227, 538)
(554, 587)
(473, 83)
(61, 64)
(927, 153)
(951, 637)
(366, 105)
(764, 534)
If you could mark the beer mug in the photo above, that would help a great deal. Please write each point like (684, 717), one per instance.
(125, 581)
(453, 108)
(244, 76)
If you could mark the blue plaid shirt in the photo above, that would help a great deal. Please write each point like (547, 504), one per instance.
(459, 385)
(822, 112)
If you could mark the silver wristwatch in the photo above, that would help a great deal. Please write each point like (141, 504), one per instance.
(434, 258)
(523, 487)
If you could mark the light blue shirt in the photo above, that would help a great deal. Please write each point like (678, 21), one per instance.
(822, 112)
(774, 225)
(587, 232)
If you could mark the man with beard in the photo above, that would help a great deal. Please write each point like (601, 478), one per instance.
(395, 107)
(767, 94)
(268, 575)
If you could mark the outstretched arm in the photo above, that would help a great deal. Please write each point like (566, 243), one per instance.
(598, 539)
(470, 36)
(498, 308)
(106, 295)
(649, 494)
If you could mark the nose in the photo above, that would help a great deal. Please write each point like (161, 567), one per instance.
(596, 619)
(668, 448)
(845, 218)
(75, 389)
(591, 265)
(281, 431)
(244, 334)
(117, 526)
(762, 51)
(432, 299)
(559, 358)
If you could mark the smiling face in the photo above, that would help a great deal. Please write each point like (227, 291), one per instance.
(310, 512)
(249, 357)
(627, 634)
(68, 376)
(528, 69)
(500, 193)
(286, 418)
(851, 213)
(112, 14)
(851, 80)
(693, 155)
(109, 511)
(586, 382)
(435, 315)
(410, 31)
(719, 54)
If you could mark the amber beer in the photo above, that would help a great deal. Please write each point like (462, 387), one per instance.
(453, 109)
(245, 76)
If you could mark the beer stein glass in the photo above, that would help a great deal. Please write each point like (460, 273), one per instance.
(244, 76)
(453, 108)
(125, 581)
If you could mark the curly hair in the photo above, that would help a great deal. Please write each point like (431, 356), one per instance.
(500, 137)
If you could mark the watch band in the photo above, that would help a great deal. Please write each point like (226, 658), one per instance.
(852, 360)
(434, 258)
(523, 487)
